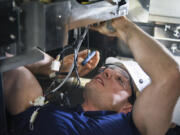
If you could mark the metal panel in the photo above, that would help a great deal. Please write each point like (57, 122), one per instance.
(168, 11)
(8, 25)
(83, 15)
(165, 8)
(28, 58)
(57, 20)
(137, 12)
(44, 25)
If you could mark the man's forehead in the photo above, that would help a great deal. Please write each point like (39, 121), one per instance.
(119, 68)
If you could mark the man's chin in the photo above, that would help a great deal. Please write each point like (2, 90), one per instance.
(89, 84)
(87, 87)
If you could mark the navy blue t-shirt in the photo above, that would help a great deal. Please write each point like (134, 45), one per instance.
(55, 120)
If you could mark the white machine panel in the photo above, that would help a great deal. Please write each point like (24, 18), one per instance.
(166, 10)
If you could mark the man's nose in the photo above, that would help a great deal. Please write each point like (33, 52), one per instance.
(107, 73)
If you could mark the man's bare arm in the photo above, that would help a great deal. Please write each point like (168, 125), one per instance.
(21, 86)
(153, 109)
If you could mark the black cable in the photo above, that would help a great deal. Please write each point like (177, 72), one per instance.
(79, 42)
(78, 83)
(76, 67)
(67, 47)
(88, 40)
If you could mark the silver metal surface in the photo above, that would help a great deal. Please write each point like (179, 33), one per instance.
(83, 15)
(137, 12)
(44, 25)
(30, 57)
(165, 11)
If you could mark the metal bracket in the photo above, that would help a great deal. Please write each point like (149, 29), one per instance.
(83, 15)
(28, 58)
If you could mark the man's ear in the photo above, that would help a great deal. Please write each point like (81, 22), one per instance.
(126, 108)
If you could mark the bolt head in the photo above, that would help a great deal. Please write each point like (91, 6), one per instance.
(12, 19)
(141, 81)
(12, 36)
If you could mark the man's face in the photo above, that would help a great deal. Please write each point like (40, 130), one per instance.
(110, 89)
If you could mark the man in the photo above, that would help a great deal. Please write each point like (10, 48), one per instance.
(107, 93)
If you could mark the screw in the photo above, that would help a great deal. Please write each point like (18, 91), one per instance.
(59, 16)
(140, 81)
(12, 36)
(12, 19)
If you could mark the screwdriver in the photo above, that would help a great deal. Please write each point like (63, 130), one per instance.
(88, 58)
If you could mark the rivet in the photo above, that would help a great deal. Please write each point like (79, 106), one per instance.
(140, 80)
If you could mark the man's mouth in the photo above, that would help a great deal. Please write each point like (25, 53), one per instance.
(98, 79)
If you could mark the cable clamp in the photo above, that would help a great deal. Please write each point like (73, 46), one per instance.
(40, 101)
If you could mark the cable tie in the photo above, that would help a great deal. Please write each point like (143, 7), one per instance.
(32, 119)
(39, 101)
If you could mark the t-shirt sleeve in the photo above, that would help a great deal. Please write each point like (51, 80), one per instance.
(49, 125)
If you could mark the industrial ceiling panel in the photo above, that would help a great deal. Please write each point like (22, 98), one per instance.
(165, 8)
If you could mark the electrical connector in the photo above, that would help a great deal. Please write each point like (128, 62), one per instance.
(55, 65)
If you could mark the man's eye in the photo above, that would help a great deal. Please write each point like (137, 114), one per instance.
(100, 70)
(120, 79)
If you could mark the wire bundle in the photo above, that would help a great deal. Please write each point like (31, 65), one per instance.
(76, 46)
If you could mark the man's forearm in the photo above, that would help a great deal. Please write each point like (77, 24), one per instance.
(153, 109)
(147, 51)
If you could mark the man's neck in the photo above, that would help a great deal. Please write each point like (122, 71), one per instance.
(89, 107)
